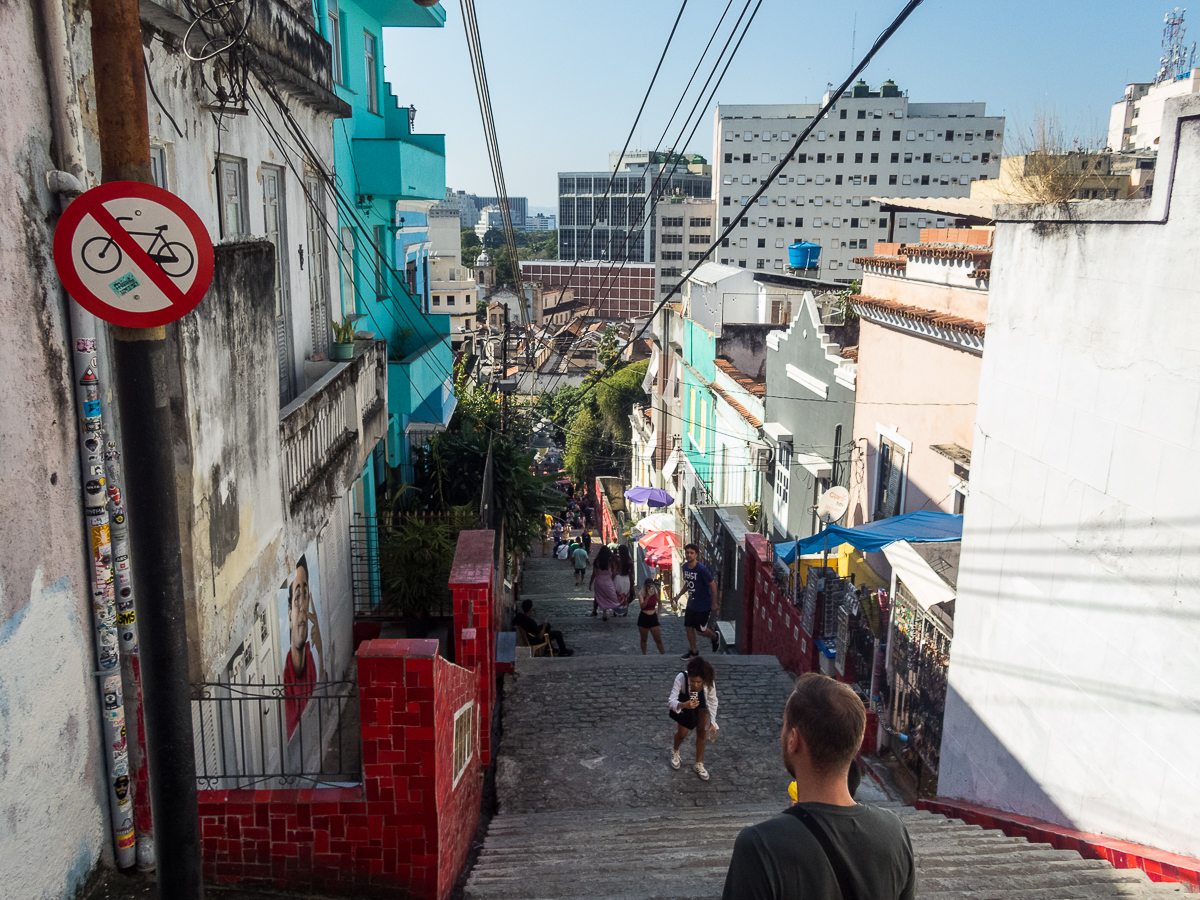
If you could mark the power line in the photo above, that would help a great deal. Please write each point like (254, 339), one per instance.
(673, 158)
(765, 183)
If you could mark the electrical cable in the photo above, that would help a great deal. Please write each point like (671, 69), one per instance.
(835, 96)
(644, 214)
(654, 194)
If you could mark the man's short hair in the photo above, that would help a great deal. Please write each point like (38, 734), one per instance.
(830, 717)
(526, 605)
(687, 547)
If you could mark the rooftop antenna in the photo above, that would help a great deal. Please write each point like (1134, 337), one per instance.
(853, 39)
(1177, 60)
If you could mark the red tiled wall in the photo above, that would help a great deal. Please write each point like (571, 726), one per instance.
(457, 804)
(770, 623)
(475, 625)
(405, 828)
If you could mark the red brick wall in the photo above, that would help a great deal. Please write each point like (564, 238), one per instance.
(406, 827)
(770, 623)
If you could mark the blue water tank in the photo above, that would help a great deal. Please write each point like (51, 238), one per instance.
(804, 255)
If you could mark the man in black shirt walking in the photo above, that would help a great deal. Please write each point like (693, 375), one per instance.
(826, 846)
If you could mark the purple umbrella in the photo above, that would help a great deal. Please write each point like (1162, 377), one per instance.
(650, 496)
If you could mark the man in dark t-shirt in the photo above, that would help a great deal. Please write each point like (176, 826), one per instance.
(704, 600)
(782, 858)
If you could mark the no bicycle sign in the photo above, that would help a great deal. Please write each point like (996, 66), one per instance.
(133, 254)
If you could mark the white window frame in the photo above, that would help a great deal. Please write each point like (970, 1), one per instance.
(471, 735)
(371, 70)
(883, 431)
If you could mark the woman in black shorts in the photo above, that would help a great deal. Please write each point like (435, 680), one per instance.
(648, 616)
(693, 706)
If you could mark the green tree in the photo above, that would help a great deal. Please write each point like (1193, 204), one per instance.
(470, 246)
(616, 395)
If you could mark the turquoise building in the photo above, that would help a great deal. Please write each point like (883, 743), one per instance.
(388, 177)
(381, 163)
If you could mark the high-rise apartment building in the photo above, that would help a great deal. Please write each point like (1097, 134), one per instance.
(871, 144)
(685, 231)
(595, 222)
(518, 208)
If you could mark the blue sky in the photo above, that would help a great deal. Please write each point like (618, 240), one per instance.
(567, 78)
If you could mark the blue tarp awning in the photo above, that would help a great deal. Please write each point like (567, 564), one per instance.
(917, 528)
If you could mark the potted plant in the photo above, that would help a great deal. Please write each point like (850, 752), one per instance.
(343, 338)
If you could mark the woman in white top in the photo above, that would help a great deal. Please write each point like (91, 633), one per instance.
(692, 703)
(623, 580)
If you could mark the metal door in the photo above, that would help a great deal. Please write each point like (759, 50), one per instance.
(275, 216)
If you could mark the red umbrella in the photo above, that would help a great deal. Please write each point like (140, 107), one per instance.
(659, 559)
(661, 540)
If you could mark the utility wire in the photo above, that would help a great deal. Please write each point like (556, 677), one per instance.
(653, 194)
(835, 96)
(636, 217)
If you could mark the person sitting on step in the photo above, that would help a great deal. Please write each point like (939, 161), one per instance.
(536, 632)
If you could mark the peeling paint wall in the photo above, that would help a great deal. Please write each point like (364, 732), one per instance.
(53, 806)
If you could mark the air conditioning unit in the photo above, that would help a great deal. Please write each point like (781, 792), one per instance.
(763, 458)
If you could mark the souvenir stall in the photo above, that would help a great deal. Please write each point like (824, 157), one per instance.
(921, 627)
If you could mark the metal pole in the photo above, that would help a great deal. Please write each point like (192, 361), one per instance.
(143, 387)
(504, 374)
(126, 767)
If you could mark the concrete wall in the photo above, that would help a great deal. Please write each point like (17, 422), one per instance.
(896, 371)
(190, 175)
(53, 804)
(1073, 683)
(795, 401)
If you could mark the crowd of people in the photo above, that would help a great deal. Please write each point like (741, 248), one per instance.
(825, 844)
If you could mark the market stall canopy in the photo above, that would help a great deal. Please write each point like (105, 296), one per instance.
(916, 528)
(656, 522)
(650, 496)
(661, 540)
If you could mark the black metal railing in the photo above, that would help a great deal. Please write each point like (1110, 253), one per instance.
(369, 537)
(275, 735)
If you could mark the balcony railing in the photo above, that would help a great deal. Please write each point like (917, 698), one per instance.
(275, 735)
(338, 416)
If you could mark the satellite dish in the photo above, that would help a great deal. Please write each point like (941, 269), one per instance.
(832, 505)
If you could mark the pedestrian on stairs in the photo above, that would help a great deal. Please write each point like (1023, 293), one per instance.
(704, 600)
(579, 557)
(693, 705)
(648, 616)
(824, 846)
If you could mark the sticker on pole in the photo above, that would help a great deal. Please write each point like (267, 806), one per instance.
(133, 254)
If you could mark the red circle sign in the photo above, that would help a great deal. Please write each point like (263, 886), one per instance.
(133, 254)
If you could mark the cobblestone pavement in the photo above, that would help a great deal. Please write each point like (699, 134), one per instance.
(592, 731)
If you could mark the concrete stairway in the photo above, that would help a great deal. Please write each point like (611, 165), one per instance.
(676, 853)
(589, 807)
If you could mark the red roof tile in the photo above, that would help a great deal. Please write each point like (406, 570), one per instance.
(741, 410)
(929, 316)
(755, 388)
(933, 252)
(882, 262)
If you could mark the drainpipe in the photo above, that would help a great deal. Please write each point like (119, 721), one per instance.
(143, 383)
(112, 596)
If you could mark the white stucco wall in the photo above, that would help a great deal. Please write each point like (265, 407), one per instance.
(53, 805)
(1074, 670)
(191, 175)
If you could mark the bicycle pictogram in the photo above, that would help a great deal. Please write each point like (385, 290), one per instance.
(102, 255)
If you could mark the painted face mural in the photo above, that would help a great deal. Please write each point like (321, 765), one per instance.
(301, 668)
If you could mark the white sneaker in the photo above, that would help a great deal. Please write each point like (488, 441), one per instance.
(700, 770)
(674, 759)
